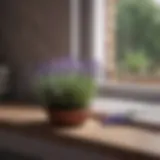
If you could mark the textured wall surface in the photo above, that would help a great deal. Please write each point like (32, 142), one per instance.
(32, 31)
(86, 18)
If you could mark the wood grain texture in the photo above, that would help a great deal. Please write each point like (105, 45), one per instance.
(123, 141)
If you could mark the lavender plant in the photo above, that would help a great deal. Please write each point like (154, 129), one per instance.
(66, 84)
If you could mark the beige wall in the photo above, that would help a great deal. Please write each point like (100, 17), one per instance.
(32, 31)
(110, 38)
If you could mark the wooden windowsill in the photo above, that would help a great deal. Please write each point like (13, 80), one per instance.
(121, 141)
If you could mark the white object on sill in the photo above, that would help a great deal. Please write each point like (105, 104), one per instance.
(147, 117)
(139, 112)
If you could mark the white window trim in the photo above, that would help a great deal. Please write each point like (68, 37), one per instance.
(98, 34)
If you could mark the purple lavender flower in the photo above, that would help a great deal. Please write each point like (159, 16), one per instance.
(43, 69)
(88, 67)
(67, 65)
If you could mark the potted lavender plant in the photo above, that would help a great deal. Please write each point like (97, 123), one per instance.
(66, 88)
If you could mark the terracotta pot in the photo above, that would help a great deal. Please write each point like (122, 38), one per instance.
(71, 117)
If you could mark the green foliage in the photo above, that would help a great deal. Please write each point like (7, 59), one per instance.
(69, 92)
(138, 26)
(135, 62)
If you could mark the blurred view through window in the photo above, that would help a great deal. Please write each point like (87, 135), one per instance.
(136, 41)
